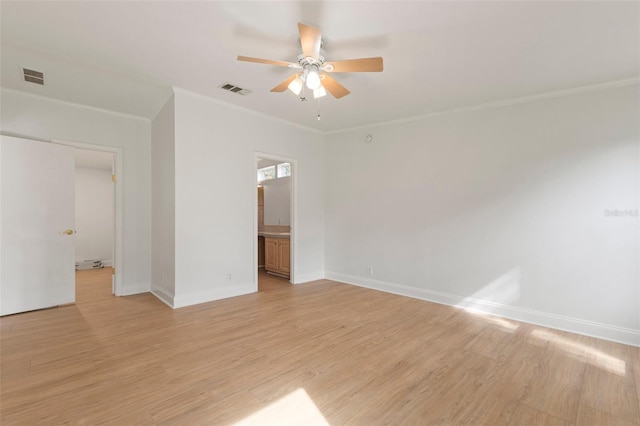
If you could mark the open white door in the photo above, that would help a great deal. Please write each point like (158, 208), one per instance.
(37, 219)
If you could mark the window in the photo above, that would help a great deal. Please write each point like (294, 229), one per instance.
(284, 170)
(274, 172)
(266, 173)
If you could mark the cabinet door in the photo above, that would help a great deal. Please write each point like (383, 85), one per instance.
(284, 258)
(271, 254)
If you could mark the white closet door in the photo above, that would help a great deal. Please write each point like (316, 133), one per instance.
(37, 219)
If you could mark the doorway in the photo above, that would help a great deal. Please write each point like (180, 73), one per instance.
(274, 220)
(38, 185)
(94, 240)
(101, 156)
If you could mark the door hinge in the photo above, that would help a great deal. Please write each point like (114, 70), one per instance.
(113, 271)
(113, 178)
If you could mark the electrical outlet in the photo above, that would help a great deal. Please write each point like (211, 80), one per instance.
(370, 270)
(229, 277)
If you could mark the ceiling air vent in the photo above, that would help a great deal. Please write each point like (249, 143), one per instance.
(235, 89)
(33, 76)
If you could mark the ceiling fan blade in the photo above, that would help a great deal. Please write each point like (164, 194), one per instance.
(268, 62)
(283, 86)
(355, 65)
(335, 88)
(310, 39)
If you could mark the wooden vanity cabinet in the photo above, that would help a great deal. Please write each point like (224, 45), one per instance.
(284, 256)
(277, 255)
(271, 254)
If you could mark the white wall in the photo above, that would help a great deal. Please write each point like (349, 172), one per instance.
(163, 203)
(501, 210)
(277, 201)
(94, 215)
(44, 118)
(215, 199)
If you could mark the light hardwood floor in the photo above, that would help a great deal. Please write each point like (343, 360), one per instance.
(312, 353)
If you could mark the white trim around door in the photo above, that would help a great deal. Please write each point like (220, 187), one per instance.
(117, 260)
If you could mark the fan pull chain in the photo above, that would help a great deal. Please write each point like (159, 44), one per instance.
(318, 109)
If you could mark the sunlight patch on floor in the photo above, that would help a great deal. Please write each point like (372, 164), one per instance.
(501, 291)
(506, 325)
(297, 408)
(583, 352)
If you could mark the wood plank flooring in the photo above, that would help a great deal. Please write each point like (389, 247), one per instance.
(317, 353)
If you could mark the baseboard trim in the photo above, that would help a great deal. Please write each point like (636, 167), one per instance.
(189, 299)
(305, 278)
(602, 331)
(130, 291)
(164, 297)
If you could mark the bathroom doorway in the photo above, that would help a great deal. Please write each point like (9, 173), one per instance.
(275, 235)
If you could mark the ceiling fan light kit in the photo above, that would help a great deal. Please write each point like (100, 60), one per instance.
(315, 71)
(312, 77)
(319, 92)
(296, 85)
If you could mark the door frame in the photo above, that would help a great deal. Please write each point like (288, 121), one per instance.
(117, 241)
(292, 213)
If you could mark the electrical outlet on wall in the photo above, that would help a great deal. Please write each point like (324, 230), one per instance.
(229, 276)
(370, 270)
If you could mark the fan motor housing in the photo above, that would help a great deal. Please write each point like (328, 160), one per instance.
(308, 60)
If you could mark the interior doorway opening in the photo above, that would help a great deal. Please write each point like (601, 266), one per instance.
(38, 176)
(94, 240)
(275, 220)
(115, 154)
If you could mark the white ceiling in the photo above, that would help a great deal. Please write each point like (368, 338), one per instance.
(438, 55)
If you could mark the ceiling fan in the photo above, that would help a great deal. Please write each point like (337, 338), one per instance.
(314, 69)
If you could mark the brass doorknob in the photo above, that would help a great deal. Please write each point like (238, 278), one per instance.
(68, 232)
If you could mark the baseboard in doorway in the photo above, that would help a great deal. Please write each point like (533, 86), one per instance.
(305, 278)
(131, 290)
(164, 297)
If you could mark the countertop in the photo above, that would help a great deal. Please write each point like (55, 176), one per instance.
(271, 234)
